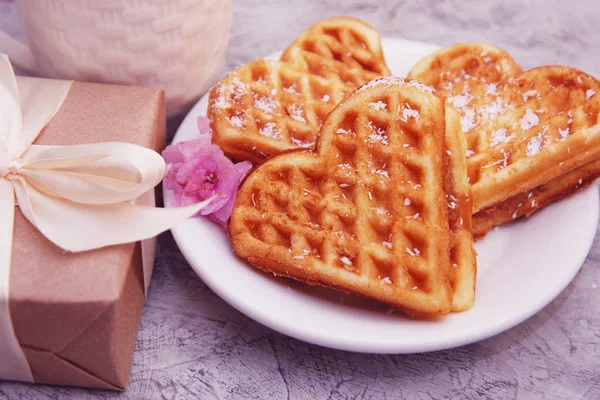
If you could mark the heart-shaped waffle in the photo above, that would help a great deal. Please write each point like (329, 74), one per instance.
(346, 49)
(367, 211)
(266, 107)
(532, 136)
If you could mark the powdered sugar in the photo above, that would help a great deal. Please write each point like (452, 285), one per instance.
(385, 281)
(270, 130)
(491, 88)
(461, 100)
(377, 134)
(589, 93)
(407, 112)
(342, 131)
(236, 121)
(381, 172)
(395, 81)
(499, 136)
(502, 163)
(266, 103)
(228, 94)
(291, 89)
(530, 119)
(305, 253)
(414, 252)
(534, 145)
(381, 211)
(346, 260)
(528, 94)
(379, 105)
(301, 143)
(505, 156)
(297, 112)
(467, 119)
(490, 111)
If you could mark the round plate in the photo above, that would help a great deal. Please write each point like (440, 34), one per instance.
(523, 266)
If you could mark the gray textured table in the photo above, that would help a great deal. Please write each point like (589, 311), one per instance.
(193, 345)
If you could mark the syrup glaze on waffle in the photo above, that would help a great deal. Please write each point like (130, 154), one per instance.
(523, 129)
(266, 107)
(365, 213)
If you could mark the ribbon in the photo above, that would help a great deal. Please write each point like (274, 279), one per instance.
(80, 197)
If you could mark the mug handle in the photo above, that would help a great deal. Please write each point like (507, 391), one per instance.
(18, 53)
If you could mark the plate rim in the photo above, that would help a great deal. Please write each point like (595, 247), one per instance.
(362, 346)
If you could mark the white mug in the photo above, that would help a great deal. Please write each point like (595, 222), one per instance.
(178, 45)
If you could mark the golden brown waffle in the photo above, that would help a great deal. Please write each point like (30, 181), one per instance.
(366, 212)
(344, 49)
(266, 107)
(463, 261)
(527, 203)
(523, 129)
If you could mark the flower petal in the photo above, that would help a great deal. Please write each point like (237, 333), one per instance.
(223, 213)
(172, 154)
(243, 168)
(204, 125)
(216, 204)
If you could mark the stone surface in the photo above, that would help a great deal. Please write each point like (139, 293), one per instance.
(193, 345)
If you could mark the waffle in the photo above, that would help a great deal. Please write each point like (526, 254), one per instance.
(523, 129)
(344, 49)
(527, 203)
(463, 262)
(366, 212)
(266, 107)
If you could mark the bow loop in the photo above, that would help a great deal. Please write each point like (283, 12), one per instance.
(10, 116)
(99, 173)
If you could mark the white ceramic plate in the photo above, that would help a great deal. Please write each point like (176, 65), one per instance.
(523, 266)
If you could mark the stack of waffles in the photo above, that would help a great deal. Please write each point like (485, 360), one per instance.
(376, 185)
(533, 137)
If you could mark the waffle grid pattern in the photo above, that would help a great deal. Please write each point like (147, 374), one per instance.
(273, 101)
(530, 122)
(266, 107)
(336, 51)
(370, 205)
(515, 122)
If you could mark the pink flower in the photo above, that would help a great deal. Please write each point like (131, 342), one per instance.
(199, 170)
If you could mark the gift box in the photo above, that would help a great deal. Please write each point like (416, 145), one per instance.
(75, 315)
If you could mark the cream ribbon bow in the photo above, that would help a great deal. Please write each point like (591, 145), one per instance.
(79, 197)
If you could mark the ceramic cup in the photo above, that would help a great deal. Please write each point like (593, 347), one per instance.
(178, 45)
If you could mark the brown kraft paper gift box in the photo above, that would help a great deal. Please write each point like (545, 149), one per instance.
(76, 315)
